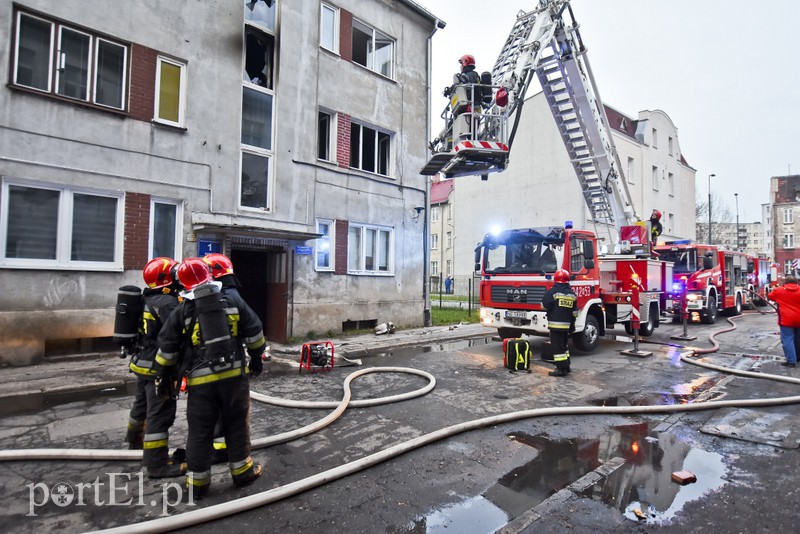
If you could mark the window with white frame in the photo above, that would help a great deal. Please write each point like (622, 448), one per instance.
(166, 224)
(434, 214)
(654, 177)
(631, 169)
(788, 215)
(370, 249)
(329, 28)
(326, 133)
(257, 105)
(449, 267)
(170, 91)
(61, 60)
(369, 149)
(53, 226)
(449, 239)
(449, 212)
(373, 49)
(788, 240)
(434, 268)
(788, 267)
(324, 253)
(434, 241)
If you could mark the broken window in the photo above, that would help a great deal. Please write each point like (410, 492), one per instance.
(369, 149)
(373, 49)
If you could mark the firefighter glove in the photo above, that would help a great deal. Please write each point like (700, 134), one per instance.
(256, 365)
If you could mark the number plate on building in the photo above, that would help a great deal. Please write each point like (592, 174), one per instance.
(516, 314)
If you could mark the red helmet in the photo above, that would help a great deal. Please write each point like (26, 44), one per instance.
(158, 272)
(466, 60)
(656, 215)
(193, 272)
(219, 264)
(561, 276)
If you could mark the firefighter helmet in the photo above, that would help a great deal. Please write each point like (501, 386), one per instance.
(158, 272)
(193, 272)
(561, 276)
(220, 264)
(466, 60)
(656, 215)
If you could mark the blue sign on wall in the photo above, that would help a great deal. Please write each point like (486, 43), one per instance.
(208, 246)
(302, 251)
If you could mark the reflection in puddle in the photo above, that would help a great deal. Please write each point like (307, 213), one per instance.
(460, 344)
(642, 489)
(679, 394)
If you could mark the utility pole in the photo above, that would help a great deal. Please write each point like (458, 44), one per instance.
(738, 241)
(709, 208)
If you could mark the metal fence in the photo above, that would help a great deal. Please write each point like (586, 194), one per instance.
(460, 292)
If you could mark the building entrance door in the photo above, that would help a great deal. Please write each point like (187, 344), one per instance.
(263, 275)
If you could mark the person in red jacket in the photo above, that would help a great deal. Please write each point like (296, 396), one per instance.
(787, 296)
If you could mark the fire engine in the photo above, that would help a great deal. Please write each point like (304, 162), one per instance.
(762, 279)
(517, 266)
(715, 280)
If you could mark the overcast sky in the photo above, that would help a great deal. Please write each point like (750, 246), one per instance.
(727, 72)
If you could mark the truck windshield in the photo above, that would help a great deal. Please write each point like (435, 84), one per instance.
(529, 256)
(685, 260)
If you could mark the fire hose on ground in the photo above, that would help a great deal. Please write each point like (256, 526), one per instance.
(219, 511)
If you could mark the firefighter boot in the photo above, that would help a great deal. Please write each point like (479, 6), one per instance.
(248, 477)
(168, 470)
(558, 372)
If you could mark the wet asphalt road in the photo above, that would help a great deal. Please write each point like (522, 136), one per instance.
(578, 473)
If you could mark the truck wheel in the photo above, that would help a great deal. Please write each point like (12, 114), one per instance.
(587, 340)
(738, 308)
(506, 333)
(710, 316)
(646, 329)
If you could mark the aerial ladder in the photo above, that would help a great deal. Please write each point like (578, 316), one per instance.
(545, 43)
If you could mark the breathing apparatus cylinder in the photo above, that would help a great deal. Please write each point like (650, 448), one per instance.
(128, 316)
(218, 346)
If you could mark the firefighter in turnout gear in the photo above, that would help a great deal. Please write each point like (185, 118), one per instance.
(151, 416)
(204, 339)
(560, 303)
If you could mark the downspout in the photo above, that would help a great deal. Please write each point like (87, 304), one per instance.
(426, 290)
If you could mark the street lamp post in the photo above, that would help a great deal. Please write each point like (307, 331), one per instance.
(738, 243)
(709, 208)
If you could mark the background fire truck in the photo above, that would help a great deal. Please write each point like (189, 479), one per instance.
(517, 266)
(715, 280)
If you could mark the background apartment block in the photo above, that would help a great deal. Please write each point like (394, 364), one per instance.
(785, 203)
(286, 134)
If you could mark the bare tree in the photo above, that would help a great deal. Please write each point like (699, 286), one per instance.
(720, 213)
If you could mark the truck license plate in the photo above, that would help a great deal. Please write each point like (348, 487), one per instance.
(515, 314)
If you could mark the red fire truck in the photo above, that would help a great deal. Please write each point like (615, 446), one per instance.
(715, 279)
(761, 278)
(517, 267)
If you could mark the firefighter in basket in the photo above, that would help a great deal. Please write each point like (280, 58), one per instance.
(468, 93)
(560, 303)
(152, 416)
(205, 339)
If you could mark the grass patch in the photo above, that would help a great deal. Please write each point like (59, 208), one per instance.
(448, 316)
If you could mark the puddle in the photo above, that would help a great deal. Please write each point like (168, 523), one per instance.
(48, 399)
(642, 489)
(679, 394)
(460, 344)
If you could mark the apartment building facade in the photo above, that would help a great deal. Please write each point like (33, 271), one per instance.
(285, 134)
(785, 214)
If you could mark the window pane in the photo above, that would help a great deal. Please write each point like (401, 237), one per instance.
(369, 250)
(73, 64)
(33, 61)
(169, 92)
(110, 74)
(261, 12)
(383, 250)
(324, 245)
(94, 222)
(384, 52)
(255, 178)
(355, 146)
(328, 28)
(324, 136)
(368, 150)
(362, 44)
(354, 249)
(259, 48)
(32, 223)
(256, 118)
(383, 153)
(164, 226)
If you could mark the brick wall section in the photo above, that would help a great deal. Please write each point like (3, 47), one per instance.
(341, 246)
(346, 35)
(343, 140)
(143, 82)
(137, 230)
